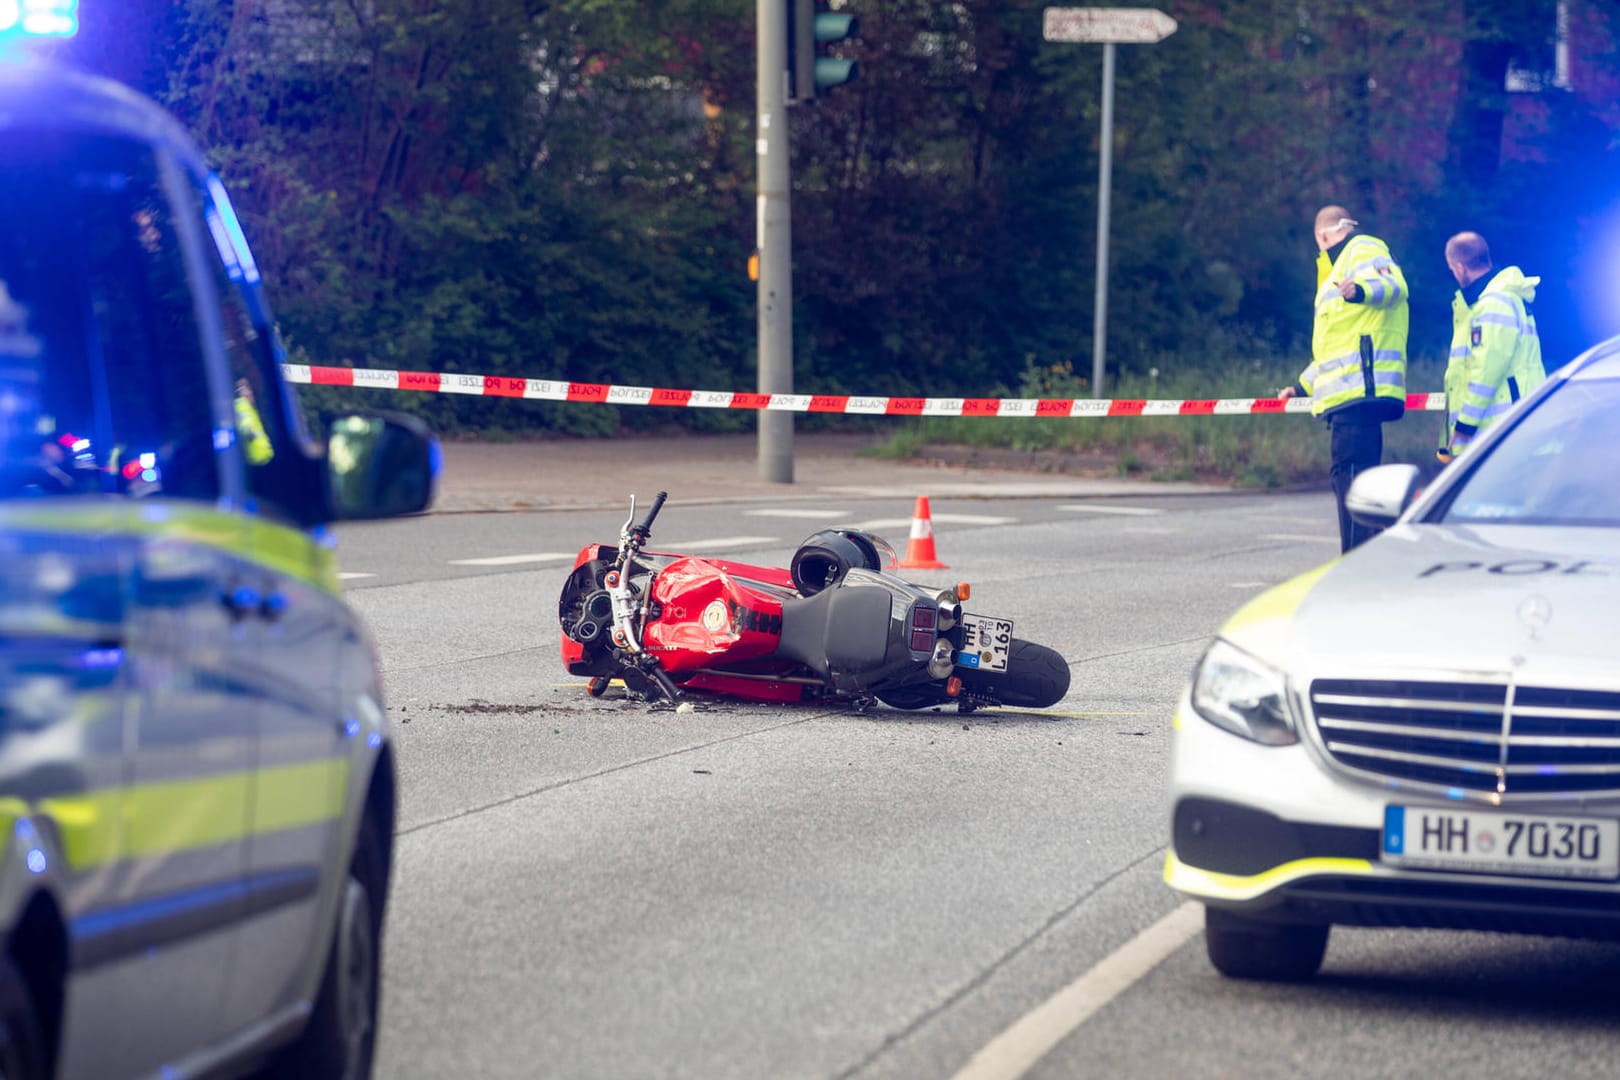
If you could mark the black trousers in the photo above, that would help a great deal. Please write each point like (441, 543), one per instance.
(1357, 447)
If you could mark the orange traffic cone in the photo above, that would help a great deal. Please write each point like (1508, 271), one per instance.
(920, 551)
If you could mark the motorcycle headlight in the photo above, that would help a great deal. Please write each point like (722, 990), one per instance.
(1237, 693)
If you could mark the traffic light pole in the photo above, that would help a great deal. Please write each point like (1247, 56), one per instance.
(774, 239)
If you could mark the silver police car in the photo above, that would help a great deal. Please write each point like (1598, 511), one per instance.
(197, 790)
(1426, 732)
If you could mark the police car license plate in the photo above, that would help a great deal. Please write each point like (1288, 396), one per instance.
(986, 643)
(1495, 842)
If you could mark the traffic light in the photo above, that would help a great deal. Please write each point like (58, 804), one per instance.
(811, 70)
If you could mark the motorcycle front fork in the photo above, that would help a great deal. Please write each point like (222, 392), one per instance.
(643, 664)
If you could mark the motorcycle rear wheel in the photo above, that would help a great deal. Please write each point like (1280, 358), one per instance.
(1036, 677)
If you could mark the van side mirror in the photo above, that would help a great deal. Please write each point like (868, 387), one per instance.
(1378, 497)
(380, 465)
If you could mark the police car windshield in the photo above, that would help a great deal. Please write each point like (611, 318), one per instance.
(1559, 466)
(102, 384)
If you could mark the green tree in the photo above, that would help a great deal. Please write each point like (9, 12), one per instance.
(566, 188)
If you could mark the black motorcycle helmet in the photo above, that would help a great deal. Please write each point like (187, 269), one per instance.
(826, 556)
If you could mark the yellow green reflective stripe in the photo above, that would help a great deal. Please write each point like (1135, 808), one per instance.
(184, 815)
(88, 825)
(199, 522)
(163, 819)
(252, 538)
(291, 551)
(1207, 883)
(292, 796)
(1277, 603)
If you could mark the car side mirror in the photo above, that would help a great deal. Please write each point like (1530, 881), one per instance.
(1378, 497)
(380, 465)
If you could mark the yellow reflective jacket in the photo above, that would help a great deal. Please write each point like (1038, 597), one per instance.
(1495, 355)
(1359, 349)
(250, 429)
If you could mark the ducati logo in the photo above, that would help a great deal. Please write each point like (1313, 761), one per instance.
(715, 616)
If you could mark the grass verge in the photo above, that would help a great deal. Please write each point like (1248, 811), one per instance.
(1247, 451)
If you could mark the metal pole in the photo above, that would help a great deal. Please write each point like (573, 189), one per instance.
(774, 238)
(1105, 172)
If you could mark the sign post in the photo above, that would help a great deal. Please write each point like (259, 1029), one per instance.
(1110, 27)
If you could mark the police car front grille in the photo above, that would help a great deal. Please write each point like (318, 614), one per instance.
(1460, 735)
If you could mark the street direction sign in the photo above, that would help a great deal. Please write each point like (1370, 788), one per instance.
(1109, 27)
(1122, 26)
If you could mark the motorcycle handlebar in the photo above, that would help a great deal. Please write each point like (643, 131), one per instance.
(645, 525)
(626, 625)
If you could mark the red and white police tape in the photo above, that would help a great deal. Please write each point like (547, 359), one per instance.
(431, 382)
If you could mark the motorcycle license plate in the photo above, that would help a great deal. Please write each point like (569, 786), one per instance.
(986, 643)
(1498, 842)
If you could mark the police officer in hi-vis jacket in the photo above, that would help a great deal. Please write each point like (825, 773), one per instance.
(1357, 377)
(1495, 351)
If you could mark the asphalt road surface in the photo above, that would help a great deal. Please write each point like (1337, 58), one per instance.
(592, 888)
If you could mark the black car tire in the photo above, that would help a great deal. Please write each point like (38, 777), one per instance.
(22, 1052)
(339, 1041)
(1036, 677)
(1245, 948)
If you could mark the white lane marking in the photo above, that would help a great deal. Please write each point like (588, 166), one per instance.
(947, 519)
(788, 512)
(1301, 536)
(514, 560)
(351, 577)
(721, 543)
(1131, 511)
(1249, 584)
(676, 547)
(1018, 1049)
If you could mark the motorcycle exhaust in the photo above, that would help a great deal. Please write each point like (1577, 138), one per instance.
(943, 660)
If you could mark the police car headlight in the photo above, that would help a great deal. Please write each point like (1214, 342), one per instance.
(1236, 692)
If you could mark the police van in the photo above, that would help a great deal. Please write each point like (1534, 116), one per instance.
(197, 790)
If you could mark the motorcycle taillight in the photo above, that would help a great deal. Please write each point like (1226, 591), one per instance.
(923, 620)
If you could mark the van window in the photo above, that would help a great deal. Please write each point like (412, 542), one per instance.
(103, 384)
(267, 430)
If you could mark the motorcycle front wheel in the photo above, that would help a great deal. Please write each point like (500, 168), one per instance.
(1036, 677)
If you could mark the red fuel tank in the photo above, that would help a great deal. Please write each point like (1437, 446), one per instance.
(710, 612)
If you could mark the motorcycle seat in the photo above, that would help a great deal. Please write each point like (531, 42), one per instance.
(838, 630)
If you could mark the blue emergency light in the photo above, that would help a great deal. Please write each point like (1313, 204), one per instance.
(39, 18)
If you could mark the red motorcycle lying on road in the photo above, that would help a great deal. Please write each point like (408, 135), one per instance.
(835, 625)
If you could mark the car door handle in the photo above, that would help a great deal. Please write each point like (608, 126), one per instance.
(274, 605)
(240, 600)
(269, 603)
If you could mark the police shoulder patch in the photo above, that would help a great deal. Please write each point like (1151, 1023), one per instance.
(1476, 335)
